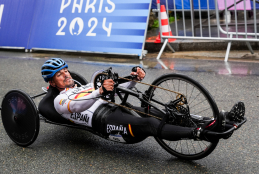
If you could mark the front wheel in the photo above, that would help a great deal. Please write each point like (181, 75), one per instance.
(201, 106)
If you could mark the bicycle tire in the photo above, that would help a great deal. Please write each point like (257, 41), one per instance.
(20, 118)
(181, 83)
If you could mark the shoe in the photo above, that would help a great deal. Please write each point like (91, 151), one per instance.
(237, 113)
(212, 125)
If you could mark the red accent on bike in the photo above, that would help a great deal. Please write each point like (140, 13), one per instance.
(210, 124)
(48, 88)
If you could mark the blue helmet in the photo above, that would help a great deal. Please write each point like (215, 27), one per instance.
(51, 67)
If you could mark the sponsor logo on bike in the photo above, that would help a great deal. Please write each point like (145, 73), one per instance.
(1, 12)
(17, 104)
(21, 136)
(120, 128)
(117, 138)
(80, 117)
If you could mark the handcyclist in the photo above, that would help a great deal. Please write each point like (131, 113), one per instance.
(80, 104)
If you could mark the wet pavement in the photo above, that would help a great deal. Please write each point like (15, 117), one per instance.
(240, 62)
(65, 150)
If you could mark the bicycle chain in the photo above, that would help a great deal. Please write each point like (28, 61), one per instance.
(153, 86)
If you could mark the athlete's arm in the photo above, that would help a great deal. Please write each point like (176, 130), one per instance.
(65, 104)
(140, 73)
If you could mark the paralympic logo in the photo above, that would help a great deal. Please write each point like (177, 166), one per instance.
(79, 22)
(1, 12)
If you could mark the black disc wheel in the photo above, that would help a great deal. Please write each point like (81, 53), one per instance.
(201, 106)
(20, 117)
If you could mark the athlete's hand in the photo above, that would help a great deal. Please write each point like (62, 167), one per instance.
(108, 85)
(140, 74)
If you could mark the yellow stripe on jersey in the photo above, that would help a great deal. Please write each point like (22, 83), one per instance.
(68, 107)
(84, 93)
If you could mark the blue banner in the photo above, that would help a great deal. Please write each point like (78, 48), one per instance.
(113, 26)
(15, 22)
(203, 3)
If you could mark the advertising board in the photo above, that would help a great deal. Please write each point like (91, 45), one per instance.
(15, 22)
(102, 26)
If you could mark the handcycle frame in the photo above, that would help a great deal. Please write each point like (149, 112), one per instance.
(143, 98)
(140, 97)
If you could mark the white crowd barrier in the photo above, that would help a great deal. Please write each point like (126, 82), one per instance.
(218, 25)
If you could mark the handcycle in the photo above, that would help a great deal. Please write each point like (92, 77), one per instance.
(172, 98)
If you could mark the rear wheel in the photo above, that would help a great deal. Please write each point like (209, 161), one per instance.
(201, 104)
(20, 117)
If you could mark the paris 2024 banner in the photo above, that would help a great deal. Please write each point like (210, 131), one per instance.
(106, 26)
(15, 22)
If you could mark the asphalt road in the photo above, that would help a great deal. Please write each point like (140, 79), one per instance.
(65, 150)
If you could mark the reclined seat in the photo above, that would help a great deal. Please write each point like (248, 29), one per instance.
(46, 105)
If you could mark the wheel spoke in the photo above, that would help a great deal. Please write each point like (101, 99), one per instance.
(178, 84)
(187, 147)
(194, 98)
(167, 92)
(186, 93)
(174, 87)
(193, 146)
(191, 94)
(200, 146)
(198, 104)
(181, 146)
(201, 111)
(160, 97)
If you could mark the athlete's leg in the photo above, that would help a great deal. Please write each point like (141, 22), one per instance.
(138, 126)
(106, 122)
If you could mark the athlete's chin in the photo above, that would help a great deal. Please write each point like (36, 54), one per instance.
(70, 84)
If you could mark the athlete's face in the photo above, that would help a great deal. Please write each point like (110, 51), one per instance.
(62, 79)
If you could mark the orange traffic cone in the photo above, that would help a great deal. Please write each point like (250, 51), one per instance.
(166, 30)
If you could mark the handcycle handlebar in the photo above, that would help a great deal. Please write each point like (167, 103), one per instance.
(224, 134)
(108, 74)
(126, 90)
(123, 80)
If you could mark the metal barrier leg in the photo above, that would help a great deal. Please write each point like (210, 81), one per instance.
(228, 50)
(170, 47)
(249, 47)
(162, 64)
(228, 68)
(162, 49)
